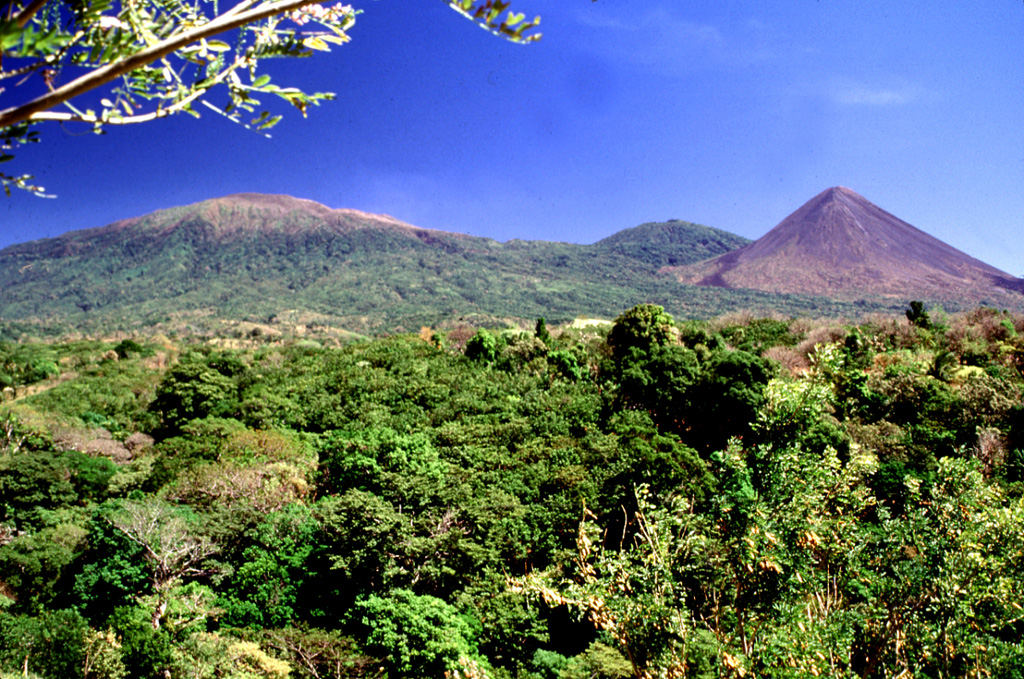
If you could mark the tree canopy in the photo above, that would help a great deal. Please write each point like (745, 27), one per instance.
(823, 502)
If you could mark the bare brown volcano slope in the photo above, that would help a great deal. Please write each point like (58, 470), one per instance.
(840, 245)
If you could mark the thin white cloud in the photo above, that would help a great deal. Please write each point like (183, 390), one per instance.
(665, 38)
(652, 23)
(874, 96)
(656, 39)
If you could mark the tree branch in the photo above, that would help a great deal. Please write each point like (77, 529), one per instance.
(105, 74)
(25, 15)
(130, 120)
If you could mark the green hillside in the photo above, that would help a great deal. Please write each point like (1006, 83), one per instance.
(260, 257)
(671, 243)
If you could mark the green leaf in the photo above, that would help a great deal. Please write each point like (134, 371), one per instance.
(316, 43)
(269, 123)
(10, 34)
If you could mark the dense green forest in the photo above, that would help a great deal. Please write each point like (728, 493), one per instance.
(758, 497)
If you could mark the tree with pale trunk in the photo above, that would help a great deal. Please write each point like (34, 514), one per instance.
(170, 547)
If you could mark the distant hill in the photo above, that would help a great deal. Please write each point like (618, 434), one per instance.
(842, 246)
(671, 243)
(258, 257)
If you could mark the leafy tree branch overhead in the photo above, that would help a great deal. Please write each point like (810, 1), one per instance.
(149, 59)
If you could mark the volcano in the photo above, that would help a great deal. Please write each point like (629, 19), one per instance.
(250, 257)
(842, 246)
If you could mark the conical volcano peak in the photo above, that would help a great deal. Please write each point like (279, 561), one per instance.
(839, 196)
(839, 228)
(839, 244)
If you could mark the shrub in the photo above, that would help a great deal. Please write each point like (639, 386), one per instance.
(416, 636)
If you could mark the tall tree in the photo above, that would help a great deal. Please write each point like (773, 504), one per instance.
(172, 550)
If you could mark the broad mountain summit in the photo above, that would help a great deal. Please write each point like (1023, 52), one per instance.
(252, 257)
(842, 246)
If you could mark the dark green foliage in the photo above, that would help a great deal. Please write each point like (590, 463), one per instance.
(565, 364)
(641, 329)
(696, 336)
(671, 243)
(51, 644)
(418, 636)
(855, 398)
(660, 382)
(90, 475)
(933, 415)
(358, 537)
(1015, 427)
(824, 433)
(890, 485)
(509, 632)
(130, 348)
(918, 315)
(33, 483)
(1013, 468)
(374, 459)
(199, 441)
(726, 398)
(541, 331)
(736, 494)
(194, 390)
(111, 573)
(147, 652)
(268, 575)
(645, 456)
(34, 567)
(374, 505)
(759, 334)
(482, 347)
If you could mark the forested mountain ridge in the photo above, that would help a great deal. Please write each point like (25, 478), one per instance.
(255, 257)
(730, 498)
(671, 243)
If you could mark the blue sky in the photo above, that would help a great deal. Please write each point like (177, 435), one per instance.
(730, 114)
